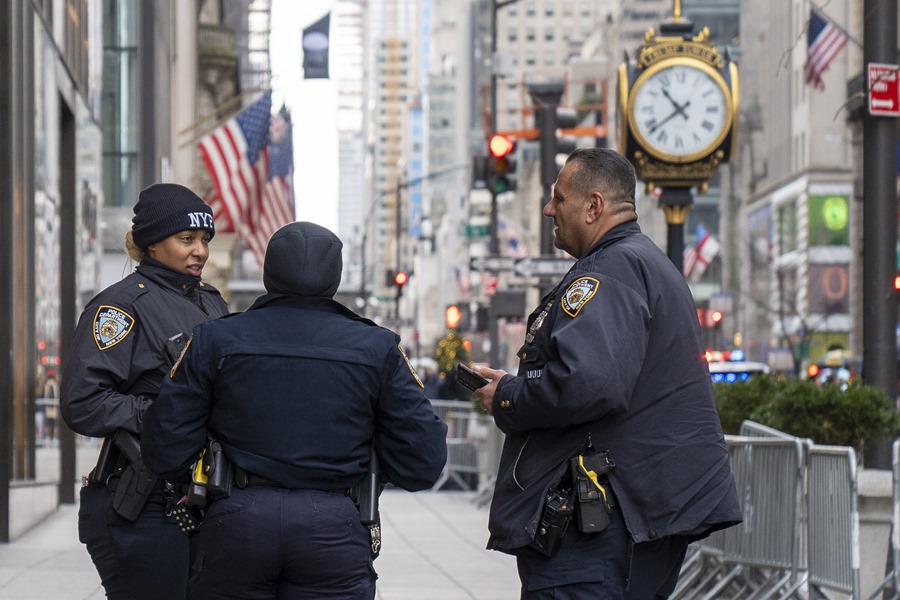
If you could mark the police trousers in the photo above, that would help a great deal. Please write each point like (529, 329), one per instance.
(147, 559)
(604, 566)
(266, 542)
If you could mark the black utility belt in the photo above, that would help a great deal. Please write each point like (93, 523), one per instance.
(244, 479)
(582, 490)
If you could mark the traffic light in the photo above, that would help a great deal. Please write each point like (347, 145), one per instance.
(400, 279)
(500, 164)
(549, 118)
(458, 316)
(715, 317)
(452, 316)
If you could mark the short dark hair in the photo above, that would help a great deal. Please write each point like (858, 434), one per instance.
(604, 170)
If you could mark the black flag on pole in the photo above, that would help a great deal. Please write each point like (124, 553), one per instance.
(315, 49)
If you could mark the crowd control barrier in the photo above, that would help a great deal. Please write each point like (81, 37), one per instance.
(889, 589)
(469, 439)
(800, 535)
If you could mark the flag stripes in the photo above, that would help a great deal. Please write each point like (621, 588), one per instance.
(250, 161)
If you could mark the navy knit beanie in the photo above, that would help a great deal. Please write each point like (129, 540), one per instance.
(164, 209)
(303, 259)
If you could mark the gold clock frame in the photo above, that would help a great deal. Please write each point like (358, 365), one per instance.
(686, 61)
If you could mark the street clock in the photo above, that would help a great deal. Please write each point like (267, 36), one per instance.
(677, 107)
(680, 110)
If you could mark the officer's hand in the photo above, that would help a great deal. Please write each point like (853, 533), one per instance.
(485, 395)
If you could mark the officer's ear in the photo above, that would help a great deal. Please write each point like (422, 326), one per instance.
(594, 205)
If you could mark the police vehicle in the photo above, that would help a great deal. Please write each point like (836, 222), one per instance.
(730, 367)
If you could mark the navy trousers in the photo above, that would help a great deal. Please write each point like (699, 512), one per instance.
(602, 566)
(147, 559)
(264, 543)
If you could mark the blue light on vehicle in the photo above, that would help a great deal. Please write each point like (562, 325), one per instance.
(731, 377)
(737, 355)
(744, 376)
(717, 377)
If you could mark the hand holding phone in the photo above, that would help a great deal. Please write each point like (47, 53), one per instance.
(467, 377)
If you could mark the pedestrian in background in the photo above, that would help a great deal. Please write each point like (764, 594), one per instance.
(113, 374)
(297, 390)
(611, 411)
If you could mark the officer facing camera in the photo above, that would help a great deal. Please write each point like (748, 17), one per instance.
(124, 345)
(297, 390)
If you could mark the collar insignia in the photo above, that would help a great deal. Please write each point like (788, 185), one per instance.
(578, 293)
(111, 326)
(411, 369)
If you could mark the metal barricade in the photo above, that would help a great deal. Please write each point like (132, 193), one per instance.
(889, 588)
(468, 433)
(759, 558)
(833, 529)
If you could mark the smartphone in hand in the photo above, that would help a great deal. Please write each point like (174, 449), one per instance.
(467, 377)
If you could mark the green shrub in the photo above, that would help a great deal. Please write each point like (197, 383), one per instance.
(824, 414)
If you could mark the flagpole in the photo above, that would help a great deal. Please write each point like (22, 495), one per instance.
(225, 105)
(835, 25)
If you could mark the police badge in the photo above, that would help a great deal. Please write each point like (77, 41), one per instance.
(111, 325)
(578, 293)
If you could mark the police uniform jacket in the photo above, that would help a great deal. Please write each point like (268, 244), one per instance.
(296, 389)
(613, 356)
(117, 362)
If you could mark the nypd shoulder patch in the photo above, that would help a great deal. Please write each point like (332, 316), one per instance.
(111, 326)
(411, 368)
(578, 294)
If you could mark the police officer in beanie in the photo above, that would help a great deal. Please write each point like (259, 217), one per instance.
(116, 366)
(297, 390)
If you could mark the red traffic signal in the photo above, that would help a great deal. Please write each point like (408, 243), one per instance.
(400, 278)
(500, 145)
(716, 317)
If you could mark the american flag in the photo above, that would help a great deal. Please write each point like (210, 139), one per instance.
(824, 40)
(250, 160)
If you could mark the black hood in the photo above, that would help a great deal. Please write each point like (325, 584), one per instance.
(303, 259)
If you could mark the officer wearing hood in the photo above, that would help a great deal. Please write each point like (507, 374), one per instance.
(297, 389)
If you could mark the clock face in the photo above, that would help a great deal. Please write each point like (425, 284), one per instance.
(680, 110)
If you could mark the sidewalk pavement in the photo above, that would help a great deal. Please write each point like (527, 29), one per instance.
(433, 549)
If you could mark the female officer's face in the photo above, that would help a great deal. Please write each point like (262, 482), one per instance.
(185, 251)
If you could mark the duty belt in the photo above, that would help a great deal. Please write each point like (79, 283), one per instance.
(244, 479)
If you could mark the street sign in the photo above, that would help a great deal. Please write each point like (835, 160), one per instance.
(492, 263)
(543, 266)
(536, 266)
(884, 90)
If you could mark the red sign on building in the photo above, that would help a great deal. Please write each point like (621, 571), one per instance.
(884, 90)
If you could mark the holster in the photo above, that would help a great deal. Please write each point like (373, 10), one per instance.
(593, 494)
(135, 486)
(212, 477)
(137, 481)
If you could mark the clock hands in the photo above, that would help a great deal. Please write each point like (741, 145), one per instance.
(679, 108)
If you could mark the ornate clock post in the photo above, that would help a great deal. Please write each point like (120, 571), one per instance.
(677, 117)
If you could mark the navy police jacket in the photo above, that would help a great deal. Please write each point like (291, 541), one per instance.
(296, 389)
(613, 357)
(117, 361)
